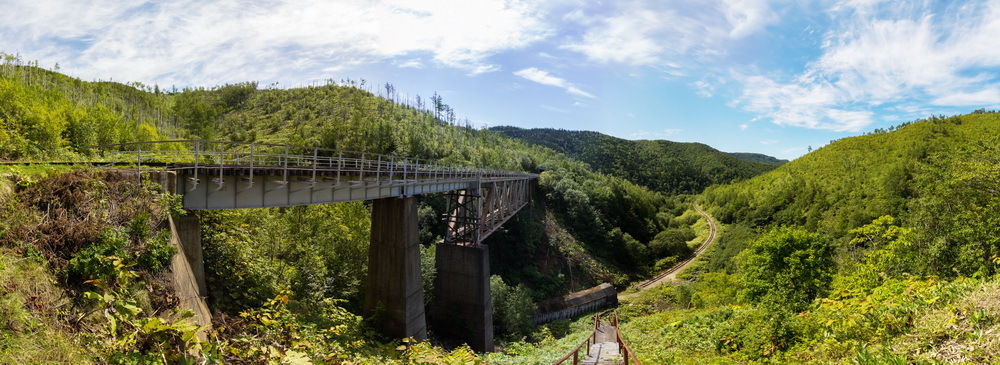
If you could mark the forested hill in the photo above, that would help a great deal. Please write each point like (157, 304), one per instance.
(664, 166)
(938, 174)
(583, 228)
(876, 249)
(758, 157)
(50, 116)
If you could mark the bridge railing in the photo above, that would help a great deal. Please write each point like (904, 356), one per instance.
(194, 155)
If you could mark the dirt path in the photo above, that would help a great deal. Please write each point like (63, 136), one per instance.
(671, 274)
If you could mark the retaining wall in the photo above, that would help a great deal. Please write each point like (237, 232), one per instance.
(577, 303)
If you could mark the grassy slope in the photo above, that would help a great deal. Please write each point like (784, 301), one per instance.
(950, 322)
(31, 330)
(921, 172)
(853, 180)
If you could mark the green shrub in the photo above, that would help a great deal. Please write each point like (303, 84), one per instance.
(157, 253)
(786, 268)
(93, 263)
(513, 308)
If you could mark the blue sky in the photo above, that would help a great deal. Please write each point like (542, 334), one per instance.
(773, 77)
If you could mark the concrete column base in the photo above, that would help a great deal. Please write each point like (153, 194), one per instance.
(394, 294)
(462, 306)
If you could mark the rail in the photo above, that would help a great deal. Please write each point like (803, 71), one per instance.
(694, 255)
(575, 352)
(192, 157)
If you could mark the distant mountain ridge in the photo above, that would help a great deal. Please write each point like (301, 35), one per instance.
(665, 166)
(758, 157)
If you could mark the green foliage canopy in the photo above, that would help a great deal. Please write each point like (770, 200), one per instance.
(787, 267)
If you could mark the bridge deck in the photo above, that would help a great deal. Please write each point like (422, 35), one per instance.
(229, 175)
(227, 187)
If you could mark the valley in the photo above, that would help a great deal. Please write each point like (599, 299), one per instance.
(877, 248)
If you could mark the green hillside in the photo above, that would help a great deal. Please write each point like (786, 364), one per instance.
(297, 264)
(664, 166)
(935, 174)
(47, 115)
(876, 249)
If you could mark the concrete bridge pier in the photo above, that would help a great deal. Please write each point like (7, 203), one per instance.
(188, 269)
(394, 288)
(462, 307)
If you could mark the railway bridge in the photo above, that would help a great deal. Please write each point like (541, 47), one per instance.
(233, 175)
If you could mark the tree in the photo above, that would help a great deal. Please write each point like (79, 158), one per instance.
(438, 103)
(889, 251)
(390, 91)
(787, 268)
(513, 307)
(956, 209)
(672, 242)
(198, 114)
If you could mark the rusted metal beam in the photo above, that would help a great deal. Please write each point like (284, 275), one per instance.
(477, 212)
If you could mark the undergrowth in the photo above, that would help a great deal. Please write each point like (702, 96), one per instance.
(906, 320)
(549, 343)
(32, 307)
(82, 256)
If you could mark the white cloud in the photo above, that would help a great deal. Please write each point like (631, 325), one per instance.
(552, 108)
(669, 34)
(414, 63)
(977, 98)
(746, 17)
(543, 77)
(228, 40)
(881, 56)
(807, 103)
(704, 89)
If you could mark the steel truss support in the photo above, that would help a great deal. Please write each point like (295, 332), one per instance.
(478, 211)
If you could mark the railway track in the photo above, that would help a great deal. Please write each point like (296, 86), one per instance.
(681, 265)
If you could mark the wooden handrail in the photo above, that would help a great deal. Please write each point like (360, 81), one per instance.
(589, 341)
(627, 353)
